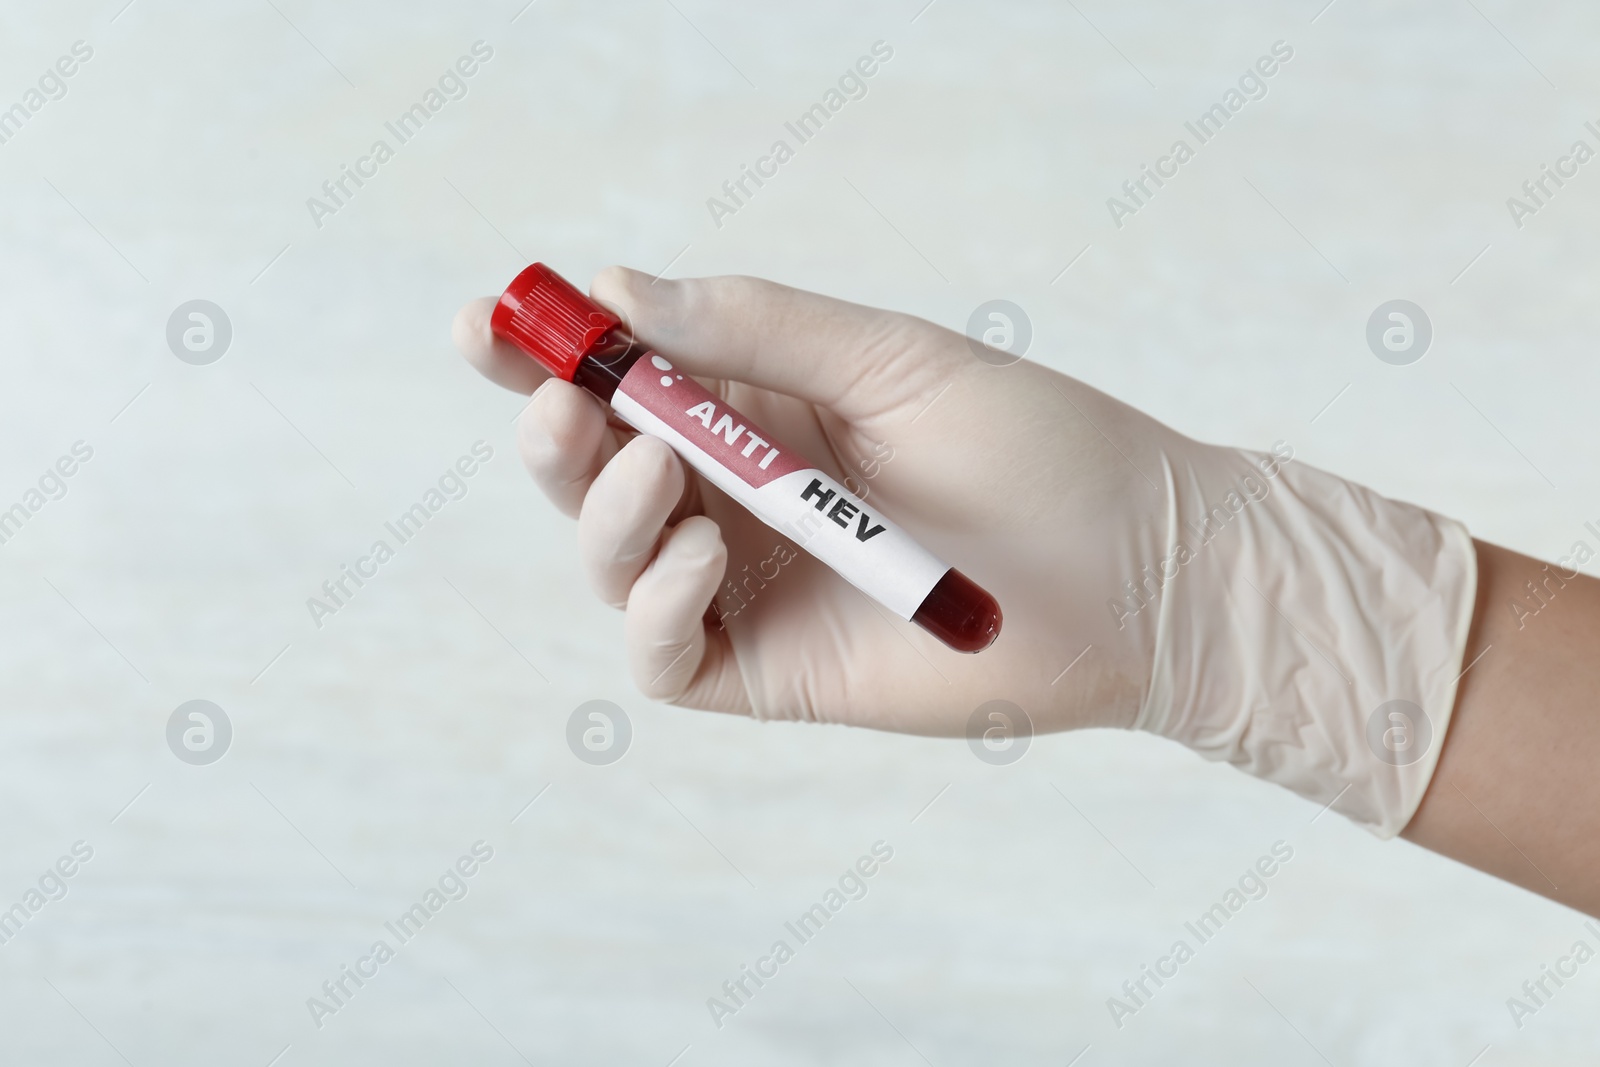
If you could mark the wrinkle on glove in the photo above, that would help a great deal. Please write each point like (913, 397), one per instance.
(1298, 605)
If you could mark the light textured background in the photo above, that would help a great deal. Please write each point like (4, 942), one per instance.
(377, 749)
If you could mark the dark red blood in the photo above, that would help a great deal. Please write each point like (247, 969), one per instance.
(958, 612)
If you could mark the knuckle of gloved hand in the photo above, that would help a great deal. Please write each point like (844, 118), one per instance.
(697, 547)
(653, 309)
(676, 304)
(553, 424)
(912, 350)
(659, 671)
(644, 467)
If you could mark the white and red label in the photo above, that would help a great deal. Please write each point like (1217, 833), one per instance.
(778, 486)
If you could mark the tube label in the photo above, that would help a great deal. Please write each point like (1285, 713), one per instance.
(778, 486)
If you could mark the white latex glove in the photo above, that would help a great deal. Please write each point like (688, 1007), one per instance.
(1269, 643)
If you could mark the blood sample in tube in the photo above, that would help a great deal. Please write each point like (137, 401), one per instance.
(581, 342)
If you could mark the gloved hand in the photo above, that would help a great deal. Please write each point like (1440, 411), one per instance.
(1252, 608)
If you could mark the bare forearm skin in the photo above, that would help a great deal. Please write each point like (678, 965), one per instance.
(1517, 789)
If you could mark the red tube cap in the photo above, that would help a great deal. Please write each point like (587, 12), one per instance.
(547, 317)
